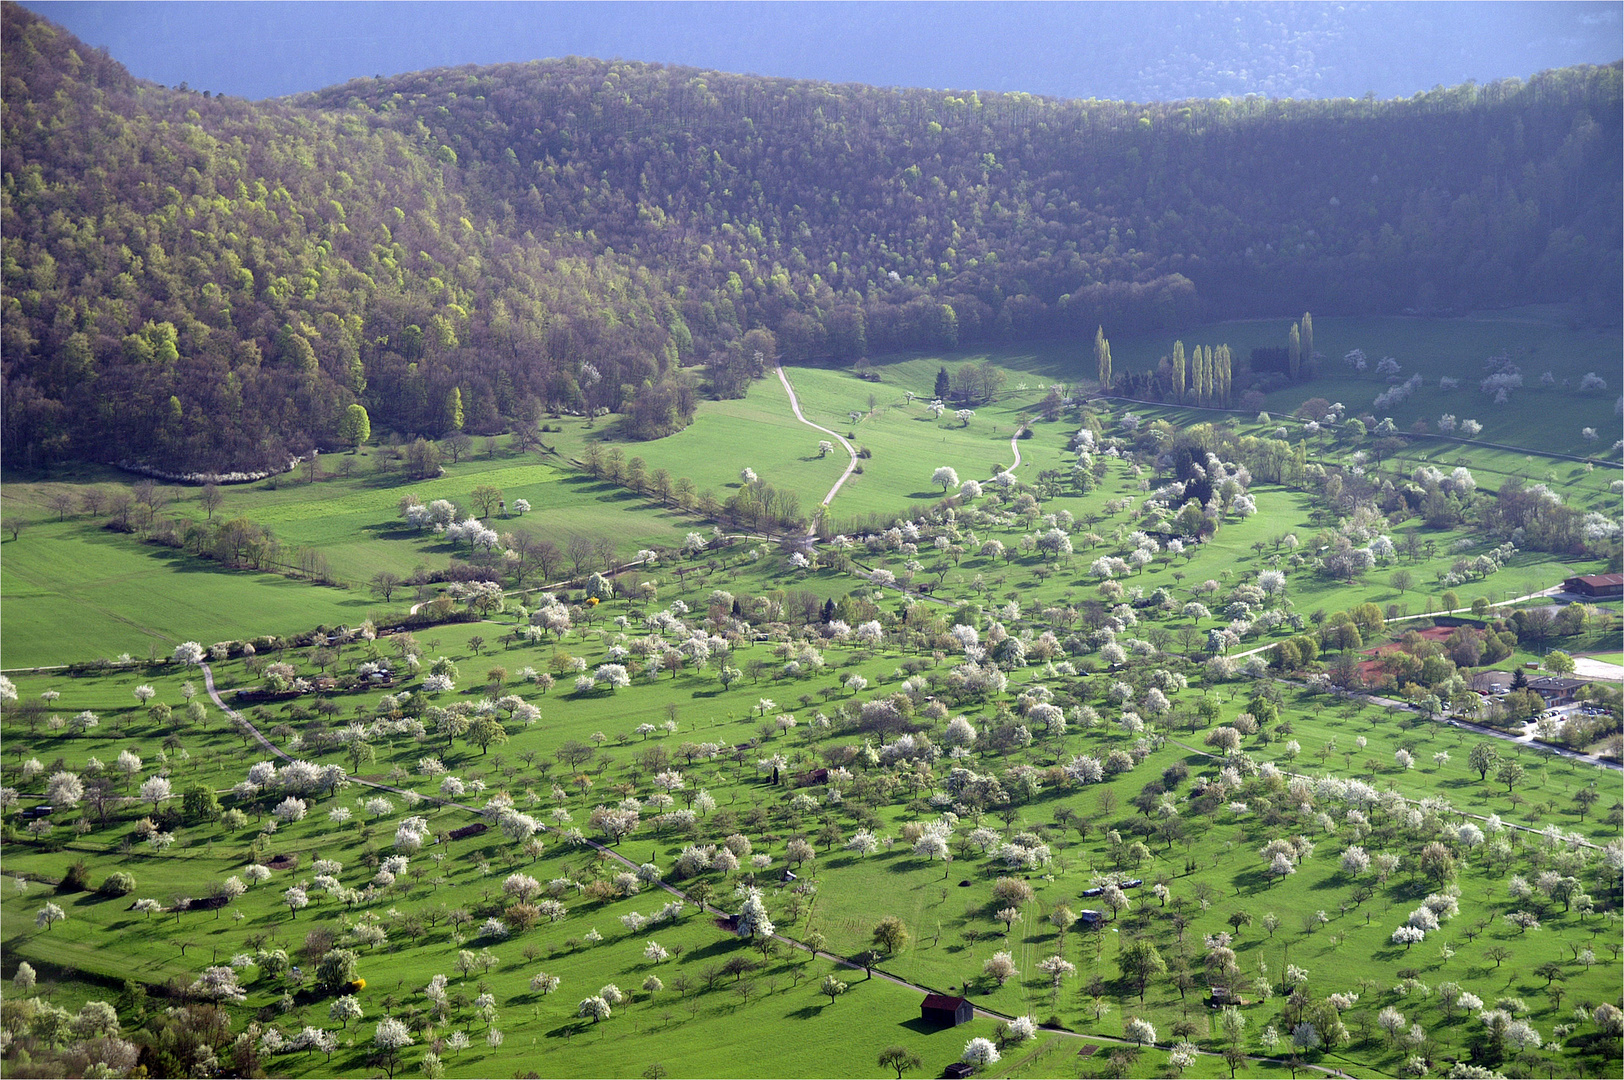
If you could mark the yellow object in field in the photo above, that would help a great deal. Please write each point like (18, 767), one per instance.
(592, 601)
(355, 985)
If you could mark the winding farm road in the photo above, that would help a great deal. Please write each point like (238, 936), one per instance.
(1015, 447)
(795, 403)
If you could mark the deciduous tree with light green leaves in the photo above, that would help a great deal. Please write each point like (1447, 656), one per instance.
(356, 427)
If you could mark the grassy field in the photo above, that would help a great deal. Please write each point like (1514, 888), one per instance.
(120, 596)
(73, 590)
(1211, 869)
(1168, 812)
(1536, 339)
(127, 597)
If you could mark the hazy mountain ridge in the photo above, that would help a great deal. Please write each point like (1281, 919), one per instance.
(495, 240)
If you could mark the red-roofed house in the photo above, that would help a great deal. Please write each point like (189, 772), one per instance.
(1595, 585)
(948, 1011)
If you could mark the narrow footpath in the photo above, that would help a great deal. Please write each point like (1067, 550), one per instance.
(1015, 447)
(851, 466)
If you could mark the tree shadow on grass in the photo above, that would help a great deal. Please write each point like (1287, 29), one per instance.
(920, 1026)
(392, 530)
(807, 1012)
(715, 948)
(1251, 880)
(566, 1031)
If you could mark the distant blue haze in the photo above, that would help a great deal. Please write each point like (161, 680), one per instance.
(1134, 51)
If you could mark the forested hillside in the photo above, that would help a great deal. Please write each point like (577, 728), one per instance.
(206, 283)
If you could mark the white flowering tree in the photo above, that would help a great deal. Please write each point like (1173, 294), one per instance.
(979, 1053)
(1021, 1029)
(388, 1040)
(218, 984)
(753, 923)
(1138, 1030)
(1000, 967)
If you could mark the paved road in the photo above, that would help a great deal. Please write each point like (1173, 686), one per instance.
(794, 403)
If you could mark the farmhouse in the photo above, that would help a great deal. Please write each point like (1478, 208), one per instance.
(1595, 585)
(1556, 691)
(946, 1011)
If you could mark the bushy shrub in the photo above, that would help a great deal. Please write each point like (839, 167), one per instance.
(77, 879)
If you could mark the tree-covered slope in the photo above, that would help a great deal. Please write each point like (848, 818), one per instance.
(562, 232)
(207, 283)
(1032, 214)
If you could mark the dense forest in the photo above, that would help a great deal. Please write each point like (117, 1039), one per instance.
(205, 283)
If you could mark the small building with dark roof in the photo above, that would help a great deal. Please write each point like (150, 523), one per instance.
(1595, 585)
(958, 1071)
(946, 1011)
(811, 777)
(1556, 691)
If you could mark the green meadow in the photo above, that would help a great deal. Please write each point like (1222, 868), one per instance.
(1209, 863)
(1029, 829)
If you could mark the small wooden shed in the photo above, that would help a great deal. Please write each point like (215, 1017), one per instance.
(946, 1011)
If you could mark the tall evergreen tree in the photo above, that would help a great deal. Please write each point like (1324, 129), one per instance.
(1178, 370)
(1102, 357)
(1307, 335)
(1296, 352)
